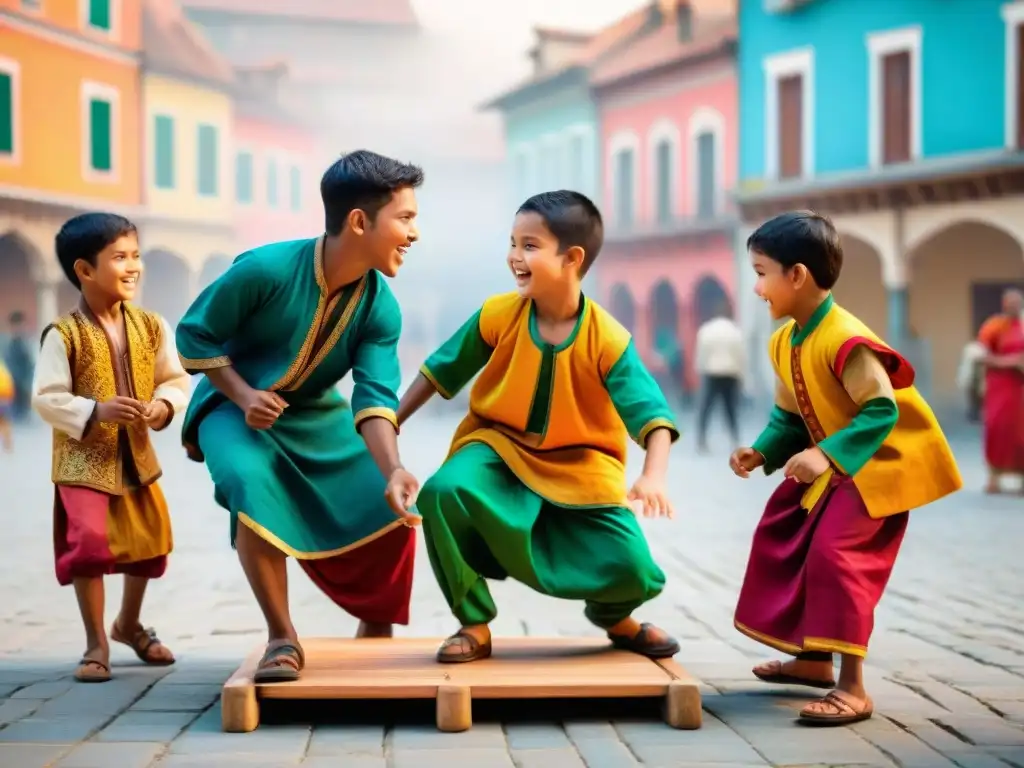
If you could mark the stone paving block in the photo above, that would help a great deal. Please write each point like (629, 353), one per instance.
(273, 742)
(536, 736)
(63, 730)
(908, 750)
(350, 739)
(44, 690)
(345, 760)
(93, 755)
(229, 761)
(31, 755)
(671, 757)
(589, 730)
(15, 709)
(715, 741)
(977, 758)
(788, 744)
(178, 697)
(605, 753)
(482, 736)
(566, 757)
(146, 726)
(985, 731)
(452, 758)
(1012, 755)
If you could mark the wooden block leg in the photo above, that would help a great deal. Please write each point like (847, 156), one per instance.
(239, 710)
(454, 708)
(682, 705)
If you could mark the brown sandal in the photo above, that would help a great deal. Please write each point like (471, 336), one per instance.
(645, 644)
(778, 677)
(281, 663)
(843, 712)
(92, 671)
(474, 652)
(143, 642)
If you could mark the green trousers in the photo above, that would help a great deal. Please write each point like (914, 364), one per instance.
(480, 522)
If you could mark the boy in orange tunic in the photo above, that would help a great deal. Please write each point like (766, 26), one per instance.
(858, 447)
(108, 373)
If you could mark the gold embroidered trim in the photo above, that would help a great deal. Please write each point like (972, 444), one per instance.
(434, 383)
(653, 424)
(825, 644)
(339, 328)
(270, 538)
(377, 412)
(203, 364)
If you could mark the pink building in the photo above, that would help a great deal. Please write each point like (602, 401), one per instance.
(667, 105)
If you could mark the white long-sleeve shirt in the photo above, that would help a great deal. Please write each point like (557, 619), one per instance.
(721, 350)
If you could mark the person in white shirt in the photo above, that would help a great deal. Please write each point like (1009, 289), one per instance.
(721, 361)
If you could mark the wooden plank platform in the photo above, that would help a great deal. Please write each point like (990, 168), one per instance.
(521, 668)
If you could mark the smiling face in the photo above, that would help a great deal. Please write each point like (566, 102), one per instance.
(534, 258)
(776, 285)
(392, 233)
(117, 271)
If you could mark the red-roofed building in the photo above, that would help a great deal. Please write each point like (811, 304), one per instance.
(667, 106)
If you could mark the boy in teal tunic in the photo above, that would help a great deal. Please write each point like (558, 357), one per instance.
(534, 486)
(273, 336)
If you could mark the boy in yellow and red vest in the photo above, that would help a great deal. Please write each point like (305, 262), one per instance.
(107, 374)
(859, 448)
(534, 486)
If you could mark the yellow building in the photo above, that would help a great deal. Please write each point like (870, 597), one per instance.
(188, 185)
(69, 135)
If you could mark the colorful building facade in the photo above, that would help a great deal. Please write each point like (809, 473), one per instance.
(668, 135)
(860, 110)
(70, 136)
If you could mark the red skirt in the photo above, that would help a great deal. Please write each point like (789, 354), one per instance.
(813, 579)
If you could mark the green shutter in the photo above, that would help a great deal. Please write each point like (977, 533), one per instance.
(272, 184)
(296, 185)
(243, 177)
(208, 167)
(100, 124)
(6, 114)
(99, 14)
(163, 140)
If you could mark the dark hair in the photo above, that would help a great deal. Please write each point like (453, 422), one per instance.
(17, 317)
(573, 219)
(363, 180)
(801, 237)
(84, 237)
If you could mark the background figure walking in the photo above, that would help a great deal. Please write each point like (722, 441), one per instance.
(721, 360)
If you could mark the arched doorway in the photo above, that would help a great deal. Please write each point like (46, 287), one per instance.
(666, 341)
(622, 306)
(166, 285)
(214, 266)
(861, 288)
(710, 298)
(950, 272)
(17, 287)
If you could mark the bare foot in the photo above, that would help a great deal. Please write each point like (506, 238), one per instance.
(374, 629)
(818, 674)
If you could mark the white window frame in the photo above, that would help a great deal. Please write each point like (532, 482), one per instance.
(222, 149)
(12, 68)
(244, 149)
(114, 32)
(799, 61)
(880, 45)
(619, 142)
(664, 129)
(1013, 16)
(92, 90)
(706, 120)
(584, 132)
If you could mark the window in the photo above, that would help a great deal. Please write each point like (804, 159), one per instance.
(9, 77)
(789, 114)
(706, 131)
(707, 186)
(663, 174)
(272, 183)
(163, 149)
(207, 173)
(32, 5)
(1013, 16)
(100, 15)
(100, 109)
(894, 88)
(625, 161)
(243, 177)
(296, 187)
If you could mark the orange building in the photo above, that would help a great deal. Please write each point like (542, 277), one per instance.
(69, 135)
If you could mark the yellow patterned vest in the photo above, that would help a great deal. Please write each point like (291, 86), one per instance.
(93, 462)
(914, 466)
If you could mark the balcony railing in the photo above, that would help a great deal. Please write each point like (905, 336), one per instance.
(723, 219)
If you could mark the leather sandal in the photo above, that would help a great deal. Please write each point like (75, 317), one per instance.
(778, 677)
(644, 643)
(843, 712)
(281, 663)
(143, 641)
(92, 671)
(474, 650)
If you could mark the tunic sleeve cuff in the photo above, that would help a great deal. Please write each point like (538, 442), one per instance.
(376, 413)
(196, 365)
(442, 391)
(653, 424)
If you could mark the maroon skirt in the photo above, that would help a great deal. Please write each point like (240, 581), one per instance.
(813, 579)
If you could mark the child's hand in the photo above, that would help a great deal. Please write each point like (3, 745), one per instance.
(156, 415)
(744, 461)
(120, 410)
(651, 492)
(401, 494)
(807, 466)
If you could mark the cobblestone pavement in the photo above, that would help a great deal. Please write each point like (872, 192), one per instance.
(946, 670)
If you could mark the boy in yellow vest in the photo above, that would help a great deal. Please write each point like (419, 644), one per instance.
(534, 485)
(107, 373)
(859, 448)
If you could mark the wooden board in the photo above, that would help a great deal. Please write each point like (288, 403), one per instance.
(521, 668)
